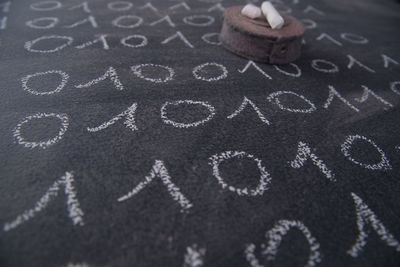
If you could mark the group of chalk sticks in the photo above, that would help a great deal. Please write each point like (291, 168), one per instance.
(267, 10)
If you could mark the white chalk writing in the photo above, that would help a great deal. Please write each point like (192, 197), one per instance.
(46, 143)
(387, 60)
(353, 61)
(167, 19)
(194, 256)
(330, 38)
(296, 74)
(251, 63)
(265, 178)
(366, 216)
(129, 121)
(45, 5)
(304, 153)
(206, 38)
(367, 92)
(199, 20)
(64, 80)
(74, 210)
(244, 104)
(29, 44)
(346, 147)
(89, 19)
(36, 23)
(315, 64)
(136, 36)
(159, 170)
(281, 228)
(179, 35)
(138, 71)
(102, 39)
(166, 120)
(274, 98)
(332, 94)
(197, 70)
(137, 21)
(110, 73)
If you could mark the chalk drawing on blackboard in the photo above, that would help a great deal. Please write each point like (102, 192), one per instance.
(387, 60)
(165, 118)
(316, 64)
(384, 164)
(198, 70)
(46, 5)
(199, 20)
(160, 171)
(129, 120)
(110, 73)
(101, 38)
(334, 93)
(149, 6)
(38, 23)
(250, 255)
(182, 4)
(303, 154)
(209, 36)
(296, 74)
(393, 87)
(274, 98)
(179, 35)
(309, 23)
(365, 216)
(64, 79)
(83, 5)
(21, 140)
(91, 20)
(3, 23)
(275, 236)
(244, 104)
(217, 7)
(354, 38)
(74, 211)
(280, 229)
(265, 177)
(29, 44)
(142, 43)
(309, 9)
(330, 38)
(367, 92)
(138, 71)
(120, 5)
(166, 18)
(137, 21)
(194, 256)
(353, 61)
(252, 64)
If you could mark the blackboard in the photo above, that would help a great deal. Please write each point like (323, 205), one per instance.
(130, 137)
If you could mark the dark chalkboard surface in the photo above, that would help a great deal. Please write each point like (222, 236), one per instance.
(130, 137)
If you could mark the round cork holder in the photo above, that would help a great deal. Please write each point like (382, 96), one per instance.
(256, 40)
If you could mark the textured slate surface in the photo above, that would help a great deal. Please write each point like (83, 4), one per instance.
(149, 228)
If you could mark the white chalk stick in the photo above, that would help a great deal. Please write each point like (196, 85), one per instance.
(251, 11)
(272, 15)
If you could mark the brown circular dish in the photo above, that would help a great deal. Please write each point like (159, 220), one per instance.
(256, 40)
